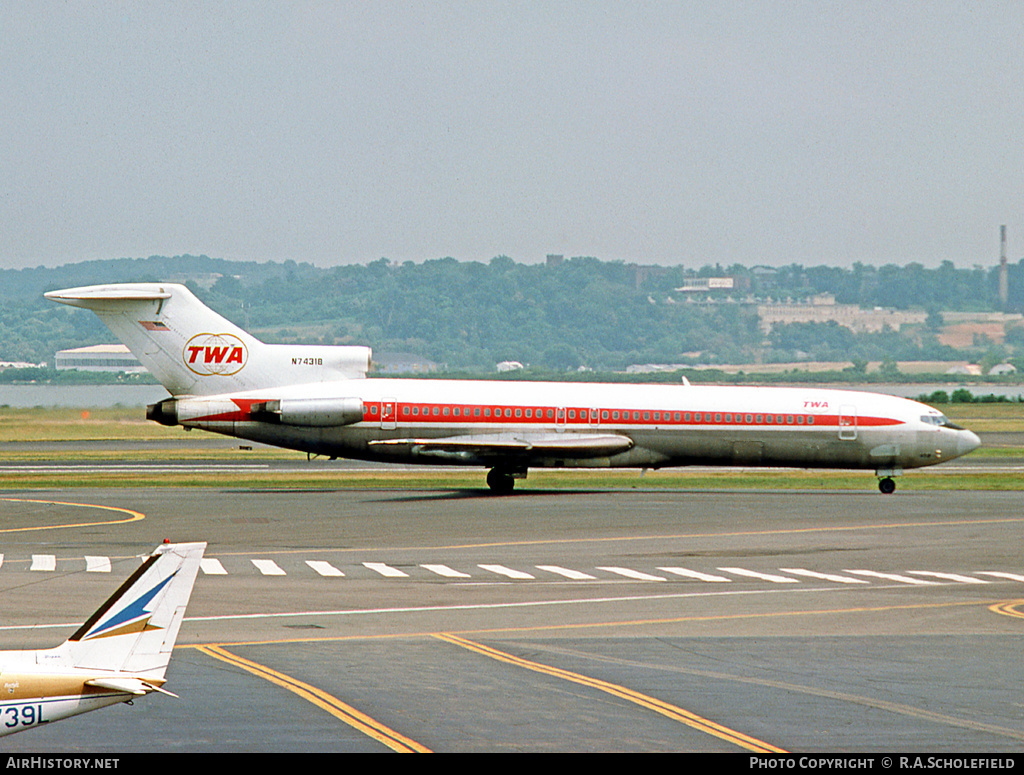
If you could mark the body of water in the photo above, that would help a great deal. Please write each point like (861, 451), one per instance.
(81, 396)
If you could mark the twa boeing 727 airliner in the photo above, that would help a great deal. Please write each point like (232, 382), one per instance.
(319, 399)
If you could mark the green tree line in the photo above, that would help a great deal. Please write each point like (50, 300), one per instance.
(580, 312)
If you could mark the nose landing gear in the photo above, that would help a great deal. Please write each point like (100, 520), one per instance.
(886, 482)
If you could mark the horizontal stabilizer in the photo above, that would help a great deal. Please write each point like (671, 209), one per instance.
(130, 685)
(92, 296)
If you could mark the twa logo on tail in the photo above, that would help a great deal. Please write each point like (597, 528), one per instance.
(215, 354)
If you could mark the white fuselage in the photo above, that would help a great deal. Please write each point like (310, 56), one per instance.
(406, 420)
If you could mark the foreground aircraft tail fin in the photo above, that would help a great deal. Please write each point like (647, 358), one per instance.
(192, 350)
(134, 631)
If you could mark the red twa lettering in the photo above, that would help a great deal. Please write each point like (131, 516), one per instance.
(216, 354)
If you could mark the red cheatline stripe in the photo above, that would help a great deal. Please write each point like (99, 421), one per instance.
(507, 415)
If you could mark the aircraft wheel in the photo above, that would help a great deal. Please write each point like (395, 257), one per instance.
(500, 482)
(887, 486)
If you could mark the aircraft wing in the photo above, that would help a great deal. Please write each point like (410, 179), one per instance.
(504, 446)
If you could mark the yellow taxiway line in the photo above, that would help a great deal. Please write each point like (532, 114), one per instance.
(651, 703)
(346, 713)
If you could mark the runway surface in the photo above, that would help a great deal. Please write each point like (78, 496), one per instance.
(377, 620)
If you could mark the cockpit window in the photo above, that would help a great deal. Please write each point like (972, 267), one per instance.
(941, 420)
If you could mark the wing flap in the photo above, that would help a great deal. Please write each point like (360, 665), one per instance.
(570, 445)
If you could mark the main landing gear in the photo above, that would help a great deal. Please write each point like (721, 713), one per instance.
(503, 480)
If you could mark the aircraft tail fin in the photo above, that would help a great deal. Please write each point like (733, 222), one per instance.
(134, 631)
(184, 344)
(192, 350)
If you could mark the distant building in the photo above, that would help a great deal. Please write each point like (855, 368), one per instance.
(656, 368)
(705, 284)
(509, 366)
(766, 276)
(822, 308)
(205, 280)
(970, 369)
(99, 357)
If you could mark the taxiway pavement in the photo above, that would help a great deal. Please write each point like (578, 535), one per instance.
(635, 620)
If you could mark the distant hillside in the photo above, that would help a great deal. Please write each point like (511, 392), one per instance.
(580, 312)
(30, 284)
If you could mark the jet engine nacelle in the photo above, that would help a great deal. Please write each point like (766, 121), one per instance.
(165, 412)
(310, 412)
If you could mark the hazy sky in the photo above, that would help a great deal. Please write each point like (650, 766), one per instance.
(754, 132)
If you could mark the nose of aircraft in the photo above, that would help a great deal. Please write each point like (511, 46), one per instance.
(967, 441)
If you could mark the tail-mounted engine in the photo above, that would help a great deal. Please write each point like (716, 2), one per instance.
(309, 412)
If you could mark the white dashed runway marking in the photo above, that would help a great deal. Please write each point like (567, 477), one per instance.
(448, 573)
(568, 573)
(268, 568)
(211, 566)
(44, 562)
(385, 570)
(324, 568)
(629, 573)
(501, 570)
(97, 564)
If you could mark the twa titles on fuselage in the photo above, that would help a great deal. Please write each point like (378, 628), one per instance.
(318, 399)
(119, 654)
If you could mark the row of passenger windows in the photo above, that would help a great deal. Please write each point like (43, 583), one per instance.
(531, 413)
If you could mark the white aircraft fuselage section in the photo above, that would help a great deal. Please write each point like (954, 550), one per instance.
(402, 420)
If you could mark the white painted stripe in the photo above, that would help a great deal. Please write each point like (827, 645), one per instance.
(1000, 575)
(1, 560)
(268, 567)
(692, 574)
(385, 570)
(763, 576)
(888, 576)
(324, 568)
(630, 573)
(97, 564)
(212, 567)
(501, 570)
(45, 562)
(949, 576)
(811, 574)
(575, 575)
(444, 570)
(576, 602)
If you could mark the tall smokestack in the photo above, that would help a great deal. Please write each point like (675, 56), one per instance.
(1004, 280)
